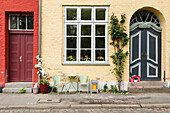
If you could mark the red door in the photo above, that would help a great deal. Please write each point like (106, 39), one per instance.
(20, 57)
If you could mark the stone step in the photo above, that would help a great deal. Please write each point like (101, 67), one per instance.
(147, 83)
(16, 90)
(152, 89)
(19, 85)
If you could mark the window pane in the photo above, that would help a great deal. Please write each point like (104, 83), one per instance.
(100, 42)
(72, 30)
(30, 22)
(71, 55)
(85, 42)
(85, 55)
(71, 14)
(86, 13)
(100, 30)
(86, 30)
(13, 22)
(22, 22)
(100, 13)
(100, 55)
(71, 42)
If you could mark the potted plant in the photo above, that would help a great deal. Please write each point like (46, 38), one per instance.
(44, 86)
(136, 79)
(43, 75)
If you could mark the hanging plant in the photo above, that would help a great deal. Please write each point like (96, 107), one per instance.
(119, 41)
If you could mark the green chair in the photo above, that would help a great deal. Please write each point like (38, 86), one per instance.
(57, 83)
(83, 80)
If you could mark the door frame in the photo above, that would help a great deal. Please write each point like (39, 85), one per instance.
(156, 28)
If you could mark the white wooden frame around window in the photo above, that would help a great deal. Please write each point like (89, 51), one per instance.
(80, 22)
(92, 14)
(65, 14)
(106, 43)
(91, 42)
(65, 43)
(18, 22)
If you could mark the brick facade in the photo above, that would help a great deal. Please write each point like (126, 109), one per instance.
(53, 34)
(16, 6)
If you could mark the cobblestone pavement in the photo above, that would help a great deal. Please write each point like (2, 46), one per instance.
(115, 110)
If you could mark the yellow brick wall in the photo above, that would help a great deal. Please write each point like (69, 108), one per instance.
(52, 34)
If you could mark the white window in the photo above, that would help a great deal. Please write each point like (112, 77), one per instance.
(21, 22)
(85, 35)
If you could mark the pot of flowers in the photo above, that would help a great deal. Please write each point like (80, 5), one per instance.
(44, 86)
(135, 79)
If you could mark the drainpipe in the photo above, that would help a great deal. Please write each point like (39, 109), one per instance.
(39, 40)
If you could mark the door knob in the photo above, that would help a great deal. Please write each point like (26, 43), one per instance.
(20, 58)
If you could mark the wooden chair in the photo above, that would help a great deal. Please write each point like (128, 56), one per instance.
(57, 84)
(83, 80)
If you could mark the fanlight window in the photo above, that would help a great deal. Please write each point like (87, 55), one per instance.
(145, 16)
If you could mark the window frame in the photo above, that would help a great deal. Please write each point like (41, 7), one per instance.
(106, 43)
(65, 52)
(65, 13)
(92, 14)
(9, 27)
(80, 22)
(80, 42)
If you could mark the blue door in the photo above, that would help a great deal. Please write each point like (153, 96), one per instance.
(145, 53)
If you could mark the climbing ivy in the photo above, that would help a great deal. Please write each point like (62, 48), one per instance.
(119, 41)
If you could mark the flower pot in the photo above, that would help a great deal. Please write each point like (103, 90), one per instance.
(35, 90)
(135, 80)
(44, 88)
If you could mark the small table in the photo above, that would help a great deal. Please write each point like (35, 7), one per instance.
(72, 77)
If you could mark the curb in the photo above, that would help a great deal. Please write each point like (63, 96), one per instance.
(86, 106)
(121, 106)
(155, 105)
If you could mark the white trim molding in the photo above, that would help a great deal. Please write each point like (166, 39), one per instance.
(155, 67)
(139, 52)
(139, 68)
(156, 47)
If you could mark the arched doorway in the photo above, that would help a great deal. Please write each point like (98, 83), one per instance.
(145, 45)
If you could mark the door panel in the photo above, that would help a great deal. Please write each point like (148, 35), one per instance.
(24, 59)
(135, 59)
(148, 66)
(28, 55)
(14, 65)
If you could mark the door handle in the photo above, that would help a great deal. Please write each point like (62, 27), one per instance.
(142, 55)
(145, 55)
(20, 58)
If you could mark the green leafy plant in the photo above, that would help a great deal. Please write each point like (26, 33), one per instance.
(23, 90)
(119, 41)
(54, 89)
(105, 87)
(43, 81)
(123, 92)
(113, 89)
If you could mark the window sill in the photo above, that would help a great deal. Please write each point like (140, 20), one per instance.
(85, 64)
